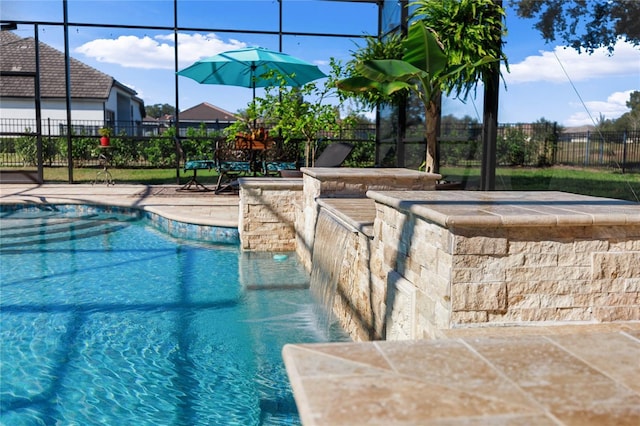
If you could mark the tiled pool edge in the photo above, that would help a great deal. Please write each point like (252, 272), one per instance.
(174, 228)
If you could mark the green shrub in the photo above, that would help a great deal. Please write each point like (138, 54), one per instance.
(27, 149)
(160, 152)
(511, 148)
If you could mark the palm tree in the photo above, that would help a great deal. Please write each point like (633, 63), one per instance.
(451, 46)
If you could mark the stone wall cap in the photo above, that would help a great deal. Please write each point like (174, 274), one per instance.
(472, 209)
(330, 173)
(358, 213)
(271, 183)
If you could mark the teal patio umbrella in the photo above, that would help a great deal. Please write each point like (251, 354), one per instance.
(251, 67)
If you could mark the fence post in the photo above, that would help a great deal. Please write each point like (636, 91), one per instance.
(554, 142)
(601, 151)
(586, 151)
(624, 151)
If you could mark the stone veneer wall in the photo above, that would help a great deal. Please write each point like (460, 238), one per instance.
(268, 213)
(443, 278)
(343, 182)
(430, 263)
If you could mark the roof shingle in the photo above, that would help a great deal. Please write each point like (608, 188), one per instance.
(206, 112)
(18, 54)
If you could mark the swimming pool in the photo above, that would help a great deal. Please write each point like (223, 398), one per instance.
(106, 320)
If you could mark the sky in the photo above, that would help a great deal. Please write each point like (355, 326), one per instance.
(544, 80)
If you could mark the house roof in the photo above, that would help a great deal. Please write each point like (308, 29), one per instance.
(206, 112)
(18, 54)
(579, 129)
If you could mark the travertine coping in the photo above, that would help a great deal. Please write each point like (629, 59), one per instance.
(574, 375)
(510, 208)
(357, 213)
(271, 183)
(390, 175)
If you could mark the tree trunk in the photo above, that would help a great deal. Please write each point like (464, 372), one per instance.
(432, 114)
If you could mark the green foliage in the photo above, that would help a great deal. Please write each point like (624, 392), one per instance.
(629, 120)
(510, 149)
(291, 113)
(389, 47)
(159, 110)
(469, 30)
(533, 147)
(161, 151)
(244, 123)
(49, 149)
(424, 71)
(27, 149)
(123, 151)
(363, 154)
(583, 24)
(199, 144)
(83, 147)
(421, 71)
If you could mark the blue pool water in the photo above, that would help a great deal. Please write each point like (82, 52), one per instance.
(105, 320)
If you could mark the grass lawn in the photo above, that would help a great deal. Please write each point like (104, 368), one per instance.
(601, 183)
(130, 176)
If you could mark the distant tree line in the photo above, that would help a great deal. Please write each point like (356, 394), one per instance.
(628, 121)
(159, 110)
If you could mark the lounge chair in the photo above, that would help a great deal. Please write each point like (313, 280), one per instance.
(333, 155)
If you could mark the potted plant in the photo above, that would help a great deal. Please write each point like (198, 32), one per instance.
(105, 134)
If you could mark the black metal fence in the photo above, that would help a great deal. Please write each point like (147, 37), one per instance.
(539, 145)
(154, 145)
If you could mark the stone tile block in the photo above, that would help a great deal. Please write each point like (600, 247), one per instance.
(613, 265)
(478, 297)
(479, 245)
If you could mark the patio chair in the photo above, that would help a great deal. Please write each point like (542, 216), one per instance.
(193, 164)
(230, 163)
(193, 184)
(281, 156)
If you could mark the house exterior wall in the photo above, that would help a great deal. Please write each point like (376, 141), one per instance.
(19, 114)
(129, 108)
(51, 109)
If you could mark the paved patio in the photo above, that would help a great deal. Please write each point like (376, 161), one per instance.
(559, 375)
(199, 208)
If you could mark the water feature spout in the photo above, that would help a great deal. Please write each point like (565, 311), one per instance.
(327, 262)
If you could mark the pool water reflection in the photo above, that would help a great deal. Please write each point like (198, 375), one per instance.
(105, 320)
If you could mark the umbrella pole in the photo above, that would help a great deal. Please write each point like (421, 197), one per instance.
(253, 101)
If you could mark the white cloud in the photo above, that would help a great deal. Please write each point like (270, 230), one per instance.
(157, 52)
(612, 108)
(580, 67)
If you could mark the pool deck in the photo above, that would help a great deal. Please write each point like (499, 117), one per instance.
(557, 375)
(198, 208)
